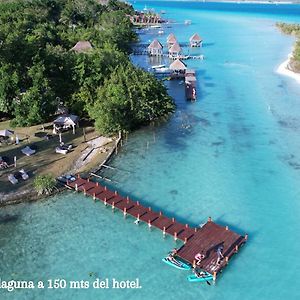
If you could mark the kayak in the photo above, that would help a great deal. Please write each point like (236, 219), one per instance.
(176, 264)
(194, 278)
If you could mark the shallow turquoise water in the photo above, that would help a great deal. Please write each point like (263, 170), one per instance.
(232, 155)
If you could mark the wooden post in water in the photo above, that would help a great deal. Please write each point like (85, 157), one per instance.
(164, 232)
(94, 196)
(215, 276)
(15, 161)
(209, 219)
(236, 249)
(105, 201)
(84, 192)
(113, 206)
(175, 236)
(125, 212)
(76, 187)
(185, 240)
(149, 224)
(227, 228)
(246, 237)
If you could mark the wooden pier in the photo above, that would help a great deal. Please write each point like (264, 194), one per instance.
(205, 239)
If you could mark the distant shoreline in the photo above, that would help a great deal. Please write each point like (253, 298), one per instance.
(284, 69)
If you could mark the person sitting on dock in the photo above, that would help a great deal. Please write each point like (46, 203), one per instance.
(220, 254)
(199, 257)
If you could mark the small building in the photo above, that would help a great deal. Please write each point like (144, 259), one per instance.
(82, 46)
(65, 122)
(171, 40)
(190, 85)
(195, 40)
(174, 51)
(155, 48)
(178, 68)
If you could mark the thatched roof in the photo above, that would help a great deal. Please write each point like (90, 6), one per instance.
(177, 65)
(195, 37)
(82, 46)
(155, 45)
(171, 39)
(175, 48)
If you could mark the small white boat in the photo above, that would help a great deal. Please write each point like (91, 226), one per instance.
(158, 67)
(160, 32)
(187, 22)
(155, 26)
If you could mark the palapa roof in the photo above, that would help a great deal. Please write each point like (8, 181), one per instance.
(195, 37)
(66, 120)
(171, 38)
(175, 48)
(6, 132)
(177, 65)
(82, 46)
(155, 45)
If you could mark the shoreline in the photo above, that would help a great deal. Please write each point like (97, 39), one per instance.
(283, 69)
(79, 166)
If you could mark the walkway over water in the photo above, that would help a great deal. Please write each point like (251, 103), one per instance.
(206, 239)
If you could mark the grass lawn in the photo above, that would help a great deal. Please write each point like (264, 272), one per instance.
(45, 160)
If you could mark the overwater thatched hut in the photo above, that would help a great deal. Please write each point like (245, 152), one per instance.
(171, 40)
(178, 68)
(82, 46)
(155, 48)
(175, 50)
(195, 40)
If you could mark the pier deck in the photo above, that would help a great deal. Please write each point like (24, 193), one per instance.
(206, 239)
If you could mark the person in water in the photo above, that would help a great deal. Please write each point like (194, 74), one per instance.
(199, 257)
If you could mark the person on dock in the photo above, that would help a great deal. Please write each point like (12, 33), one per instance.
(220, 254)
(199, 257)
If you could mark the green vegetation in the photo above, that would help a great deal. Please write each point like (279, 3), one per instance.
(44, 184)
(293, 29)
(38, 71)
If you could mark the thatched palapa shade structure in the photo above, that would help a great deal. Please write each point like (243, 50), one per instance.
(65, 121)
(175, 50)
(6, 132)
(195, 40)
(178, 67)
(155, 48)
(82, 46)
(171, 39)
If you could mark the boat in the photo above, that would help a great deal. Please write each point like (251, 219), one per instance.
(155, 26)
(187, 22)
(176, 263)
(160, 32)
(158, 67)
(205, 277)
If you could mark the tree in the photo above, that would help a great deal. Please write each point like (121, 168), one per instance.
(129, 98)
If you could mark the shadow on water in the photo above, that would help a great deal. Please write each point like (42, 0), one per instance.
(9, 219)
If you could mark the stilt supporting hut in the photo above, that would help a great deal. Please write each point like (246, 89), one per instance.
(195, 40)
(178, 68)
(155, 48)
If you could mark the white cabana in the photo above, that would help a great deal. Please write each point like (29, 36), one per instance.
(6, 132)
(65, 121)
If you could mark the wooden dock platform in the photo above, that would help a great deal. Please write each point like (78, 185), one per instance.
(206, 239)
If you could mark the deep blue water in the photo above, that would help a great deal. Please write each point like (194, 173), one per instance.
(232, 155)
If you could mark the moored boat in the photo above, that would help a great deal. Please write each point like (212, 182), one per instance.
(176, 263)
(203, 276)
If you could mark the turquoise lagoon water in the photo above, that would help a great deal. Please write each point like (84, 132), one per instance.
(232, 155)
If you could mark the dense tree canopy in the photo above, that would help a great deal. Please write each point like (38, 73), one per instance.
(124, 103)
(38, 70)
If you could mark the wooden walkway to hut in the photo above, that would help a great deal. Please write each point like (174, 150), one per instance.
(206, 238)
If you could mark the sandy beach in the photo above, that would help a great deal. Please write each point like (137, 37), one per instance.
(283, 69)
